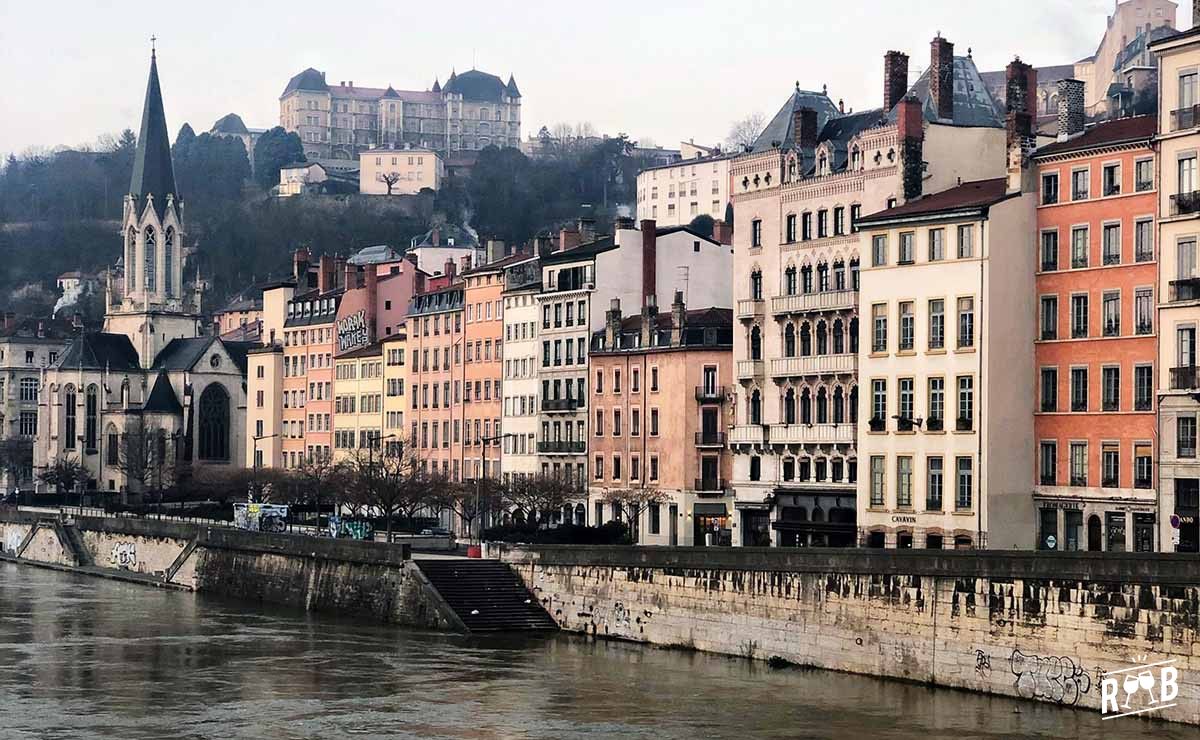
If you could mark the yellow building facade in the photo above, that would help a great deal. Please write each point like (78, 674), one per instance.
(358, 390)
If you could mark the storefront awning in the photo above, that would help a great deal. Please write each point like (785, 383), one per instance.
(709, 510)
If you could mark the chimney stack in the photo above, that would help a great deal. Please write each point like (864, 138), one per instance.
(678, 315)
(1020, 87)
(805, 123)
(649, 320)
(941, 77)
(495, 250)
(435, 236)
(612, 325)
(722, 232)
(448, 270)
(623, 222)
(649, 261)
(567, 239)
(587, 229)
(910, 128)
(895, 78)
(300, 265)
(326, 274)
(1070, 108)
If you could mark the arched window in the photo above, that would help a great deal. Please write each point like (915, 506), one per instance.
(131, 261)
(169, 262)
(839, 337)
(839, 406)
(149, 256)
(91, 411)
(854, 334)
(854, 405)
(822, 339)
(214, 423)
(789, 406)
(756, 344)
(839, 275)
(805, 407)
(823, 165)
(789, 280)
(805, 341)
(756, 285)
(69, 423)
(823, 277)
(125, 393)
(822, 406)
(806, 279)
(854, 274)
(755, 407)
(112, 445)
(789, 341)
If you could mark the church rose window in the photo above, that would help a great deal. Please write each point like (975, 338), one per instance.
(214, 423)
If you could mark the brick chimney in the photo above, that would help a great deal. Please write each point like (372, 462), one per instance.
(326, 274)
(300, 260)
(911, 131)
(805, 124)
(449, 270)
(612, 325)
(10, 319)
(435, 236)
(678, 316)
(895, 78)
(649, 319)
(722, 232)
(1019, 96)
(1070, 108)
(1020, 87)
(567, 239)
(649, 261)
(587, 229)
(941, 77)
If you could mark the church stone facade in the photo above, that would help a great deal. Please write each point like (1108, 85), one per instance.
(151, 380)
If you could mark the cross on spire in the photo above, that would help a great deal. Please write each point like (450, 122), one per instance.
(153, 39)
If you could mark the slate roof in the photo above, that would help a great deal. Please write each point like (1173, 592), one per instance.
(702, 327)
(182, 354)
(230, 123)
(100, 350)
(583, 251)
(513, 90)
(238, 351)
(162, 398)
(476, 85)
(390, 92)
(371, 350)
(1106, 133)
(973, 103)
(780, 132)
(462, 237)
(153, 173)
(374, 255)
(309, 79)
(967, 196)
(27, 328)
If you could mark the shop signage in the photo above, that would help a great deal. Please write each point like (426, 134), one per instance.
(1071, 505)
(1051, 541)
(352, 331)
(899, 519)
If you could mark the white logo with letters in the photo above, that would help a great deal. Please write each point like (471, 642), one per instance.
(1149, 687)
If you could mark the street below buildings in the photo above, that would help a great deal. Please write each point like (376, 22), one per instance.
(86, 658)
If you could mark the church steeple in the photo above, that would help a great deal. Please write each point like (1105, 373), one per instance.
(153, 174)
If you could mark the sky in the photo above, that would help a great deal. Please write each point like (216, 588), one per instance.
(660, 71)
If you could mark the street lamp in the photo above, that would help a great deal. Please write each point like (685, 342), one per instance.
(254, 462)
(486, 441)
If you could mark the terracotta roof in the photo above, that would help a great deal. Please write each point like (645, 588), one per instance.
(969, 195)
(1106, 133)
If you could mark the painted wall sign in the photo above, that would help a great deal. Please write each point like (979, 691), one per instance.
(899, 519)
(352, 331)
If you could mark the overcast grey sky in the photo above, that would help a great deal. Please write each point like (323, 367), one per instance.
(659, 70)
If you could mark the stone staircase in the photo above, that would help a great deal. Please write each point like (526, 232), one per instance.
(486, 595)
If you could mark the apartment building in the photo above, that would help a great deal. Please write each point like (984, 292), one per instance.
(395, 383)
(27, 347)
(659, 413)
(674, 194)
(798, 197)
(522, 345)
(1177, 142)
(484, 362)
(358, 393)
(308, 348)
(437, 373)
(1094, 423)
(388, 171)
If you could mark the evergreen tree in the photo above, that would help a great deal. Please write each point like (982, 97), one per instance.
(275, 149)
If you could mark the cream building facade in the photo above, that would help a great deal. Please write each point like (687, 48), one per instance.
(674, 194)
(395, 380)
(358, 393)
(519, 419)
(409, 170)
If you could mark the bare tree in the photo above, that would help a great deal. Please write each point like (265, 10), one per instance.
(744, 132)
(63, 473)
(634, 502)
(135, 454)
(387, 482)
(539, 496)
(321, 480)
(470, 500)
(16, 458)
(390, 179)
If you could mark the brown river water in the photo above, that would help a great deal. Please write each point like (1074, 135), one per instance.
(89, 658)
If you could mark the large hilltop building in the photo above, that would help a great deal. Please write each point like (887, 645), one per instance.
(471, 111)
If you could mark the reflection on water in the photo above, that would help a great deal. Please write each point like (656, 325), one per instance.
(89, 658)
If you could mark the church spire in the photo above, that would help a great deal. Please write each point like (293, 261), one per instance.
(153, 174)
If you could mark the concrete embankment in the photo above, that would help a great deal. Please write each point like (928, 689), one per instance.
(1043, 626)
(347, 576)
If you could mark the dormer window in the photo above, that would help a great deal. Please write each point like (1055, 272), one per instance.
(822, 165)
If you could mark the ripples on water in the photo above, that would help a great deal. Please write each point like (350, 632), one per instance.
(88, 658)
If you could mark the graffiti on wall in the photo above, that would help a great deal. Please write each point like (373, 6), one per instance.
(124, 555)
(1055, 678)
(12, 541)
(983, 664)
(260, 517)
(352, 331)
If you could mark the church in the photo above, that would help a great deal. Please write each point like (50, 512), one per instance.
(152, 394)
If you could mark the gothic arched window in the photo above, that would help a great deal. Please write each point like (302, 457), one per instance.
(854, 334)
(839, 406)
(756, 285)
(822, 407)
(755, 407)
(839, 337)
(854, 274)
(806, 279)
(823, 277)
(131, 261)
(91, 411)
(169, 262)
(789, 406)
(149, 255)
(214, 423)
(789, 280)
(805, 407)
(854, 405)
(839, 275)
(756, 344)
(789, 341)
(805, 341)
(69, 423)
(822, 339)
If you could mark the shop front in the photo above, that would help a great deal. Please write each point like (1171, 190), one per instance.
(816, 519)
(711, 525)
(1096, 525)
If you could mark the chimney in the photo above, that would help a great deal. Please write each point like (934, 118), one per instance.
(895, 78)
(325, 274)
(1020, 88)
(612, 325)
(649, 261)
(495, 250)
(622, 222)
(300, 264)
(10, 319)
(805, 124)
(567, 239)
(678, 315)
(448, 269)
(649, 320)
(435, 236)
(1070, 107)
(41, 330)
(941, 77)
(910, 128)
(465, 263)
(722, 232)
(587, 229)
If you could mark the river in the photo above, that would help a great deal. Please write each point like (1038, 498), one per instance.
(86, 658)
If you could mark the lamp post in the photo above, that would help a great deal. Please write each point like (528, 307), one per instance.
(486, 441)
(254, 461)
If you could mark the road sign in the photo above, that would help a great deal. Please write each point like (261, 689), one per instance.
(1175, 521)
(1051, 541)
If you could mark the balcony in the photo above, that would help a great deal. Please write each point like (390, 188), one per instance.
(1184, 378)
(934, 425)
(711, 486)
(1145, 327)
(747, 434)
(710, 439)
(559, 404)
(1079, 481)
(835, 300)
(1182, 118)
(963, 424)
(814, 365)
(1183, 204)
(562, 448)
(747, 369)
(749, 308)
(904, 424)
(877, 424)
(813, 433)
(710, 393)
(1049, 333)
(1187, 289)
(1141, 482)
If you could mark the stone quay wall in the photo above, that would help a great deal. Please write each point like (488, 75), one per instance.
(1042, 626)
(314, 573)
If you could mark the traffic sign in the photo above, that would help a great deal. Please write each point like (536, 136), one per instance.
(1175, 521)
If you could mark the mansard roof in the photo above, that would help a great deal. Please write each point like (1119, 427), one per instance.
(153, 173)
(781, 131)
(973, 103)
(309, 79)
(99, 351)
(1132, 130)
(972, 196)
(476, 85)
(230, 123)
(162, 398)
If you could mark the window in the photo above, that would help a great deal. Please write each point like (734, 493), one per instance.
(906, 404)
(1110, 397)
(822, 223)
(1079, 185)
(1111, 178)
(934, 483)
(966, 403)
(937, 404)
(1079, 389)
(965, 483)
(878, 250)
(27, 426)
(1110, 465)
(1049, 251)
(616, 467)
(966, 235)
(653, 422)
(839, 220)
(1111, 309)
(1049, 188)
(877, 480)
(29, 390)
(937, 246)
(937, 324)
(1143, 240)
(790, 228)
(599, 422)
(1143, 387)
(806, 226)
(966, 322)
(904, 481)
(1111, 238)
(1078, 464)
(906, 326)
(653, 379)
(906, 248)
(1079, 316)
(878, 405)
(598, 470)
(879, 330)
(1185, 435)
(1142, 465)
(71, 410)
(1049, 389)
(1079, 247)
(756, 233)
(1049, 317)
(1048, 463)
(1143, 175)
(1143, 310)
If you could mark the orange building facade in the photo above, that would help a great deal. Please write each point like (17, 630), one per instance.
(1096, 347)
(436, 343)
(484, 361)
(308, 348)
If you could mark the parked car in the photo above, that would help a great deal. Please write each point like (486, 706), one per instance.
(436, 532)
